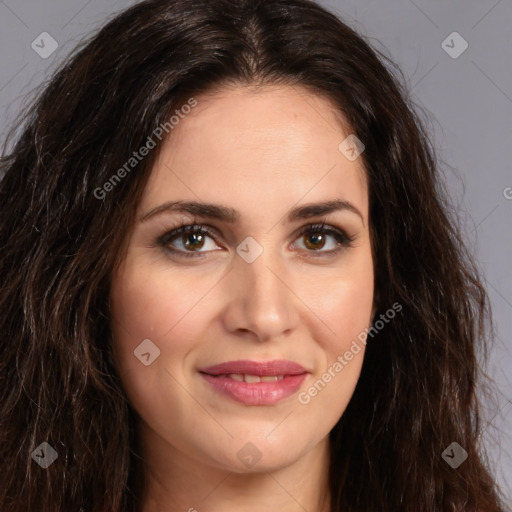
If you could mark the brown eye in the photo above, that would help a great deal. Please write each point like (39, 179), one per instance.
(192, 240)
(316, 239)
(187, 240)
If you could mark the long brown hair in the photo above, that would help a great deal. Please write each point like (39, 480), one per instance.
(60, 244)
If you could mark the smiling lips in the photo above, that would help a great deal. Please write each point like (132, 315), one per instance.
(256, 383)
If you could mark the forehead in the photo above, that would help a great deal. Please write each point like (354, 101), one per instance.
(262, 148)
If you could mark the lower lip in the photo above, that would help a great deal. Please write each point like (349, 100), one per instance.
(257, 393)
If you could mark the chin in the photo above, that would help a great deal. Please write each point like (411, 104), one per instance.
(260, 455)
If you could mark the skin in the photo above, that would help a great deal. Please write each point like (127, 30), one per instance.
(261, 152)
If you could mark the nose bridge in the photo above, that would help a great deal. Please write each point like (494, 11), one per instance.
(266, 286)
(262, 301)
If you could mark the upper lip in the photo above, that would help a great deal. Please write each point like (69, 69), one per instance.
(260, 368)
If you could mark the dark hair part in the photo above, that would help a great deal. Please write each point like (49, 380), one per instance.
(60, 244)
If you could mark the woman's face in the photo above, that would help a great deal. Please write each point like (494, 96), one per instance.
(253, 289)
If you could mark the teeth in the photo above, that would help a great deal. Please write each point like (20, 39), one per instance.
(252, 378)
(255, 378)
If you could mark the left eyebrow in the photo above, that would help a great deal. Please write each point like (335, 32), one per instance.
(230, 215)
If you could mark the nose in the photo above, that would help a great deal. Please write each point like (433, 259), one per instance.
(262, 303)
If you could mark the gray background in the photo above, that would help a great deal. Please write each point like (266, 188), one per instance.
(468, 101)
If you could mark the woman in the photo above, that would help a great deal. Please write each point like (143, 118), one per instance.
(230, 280)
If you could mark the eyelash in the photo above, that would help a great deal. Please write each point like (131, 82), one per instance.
(344, 240)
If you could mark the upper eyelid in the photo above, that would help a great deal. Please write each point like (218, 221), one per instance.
(198, 226)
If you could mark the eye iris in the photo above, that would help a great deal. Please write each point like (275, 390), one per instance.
(317, 238)
(196, 236)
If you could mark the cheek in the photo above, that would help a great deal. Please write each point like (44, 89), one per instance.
(143, 307)
(343, 307)
(135, 301)
(347, 312)
(342, 304)
(150, 302)
(348, 317)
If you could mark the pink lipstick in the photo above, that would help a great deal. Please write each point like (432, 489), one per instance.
(256, 383)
